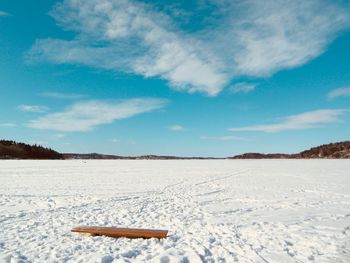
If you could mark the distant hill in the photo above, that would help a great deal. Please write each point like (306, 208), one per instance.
(98, 156)
(263, 156)
(14, 150)
(339, 150)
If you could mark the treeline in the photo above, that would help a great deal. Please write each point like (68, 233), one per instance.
(264, 156)
(97, 156)
(338, 150)
(15, 150)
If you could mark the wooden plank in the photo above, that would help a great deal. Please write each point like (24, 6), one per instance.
(121, 232)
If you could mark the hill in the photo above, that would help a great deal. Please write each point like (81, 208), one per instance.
(95, 156)
(15, 150)
(263, 156)
(339, 150)
(98, 156)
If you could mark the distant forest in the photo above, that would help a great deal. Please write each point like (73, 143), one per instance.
(338, 150)
(15, 150)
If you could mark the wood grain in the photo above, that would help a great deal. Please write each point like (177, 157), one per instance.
(121, 232)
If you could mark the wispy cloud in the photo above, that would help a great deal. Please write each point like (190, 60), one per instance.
(176, 127)
(135, 38)
(57, 95)
(242, 87)
(86, 115)
(306, 120)
(3, 13)
(250, 38)
(59, 135)
(8, 125)
(274, 35)
(224, 138)
(33, 108)
(115, 140)
(341, 92)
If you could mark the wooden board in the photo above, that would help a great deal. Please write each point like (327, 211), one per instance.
(121, 232)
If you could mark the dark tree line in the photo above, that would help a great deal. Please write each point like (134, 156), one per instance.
(15, 150)
(332, 150)
(338, 150)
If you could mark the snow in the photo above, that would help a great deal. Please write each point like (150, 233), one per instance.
(215, 210)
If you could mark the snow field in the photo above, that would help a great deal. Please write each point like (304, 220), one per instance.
(216, 211)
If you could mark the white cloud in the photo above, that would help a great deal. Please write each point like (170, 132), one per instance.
(3, 13)
(57, 95)
(224, 138)
(32, 108)
(136, 39)
(250, 38)
(273, 35)
(8, 125)
(341, 92)
(242, 87)
(177, 128)
(86, 115)
(306, 120)
(115, 140)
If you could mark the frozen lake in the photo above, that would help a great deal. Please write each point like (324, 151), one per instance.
(216, 211)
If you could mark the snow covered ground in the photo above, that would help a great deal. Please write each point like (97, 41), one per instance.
(216, 211)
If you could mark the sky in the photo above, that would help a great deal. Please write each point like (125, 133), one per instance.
(187, 78)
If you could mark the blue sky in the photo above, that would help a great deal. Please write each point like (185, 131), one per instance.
(193, 78)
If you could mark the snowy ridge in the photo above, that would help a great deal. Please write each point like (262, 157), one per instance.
(216, 211)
